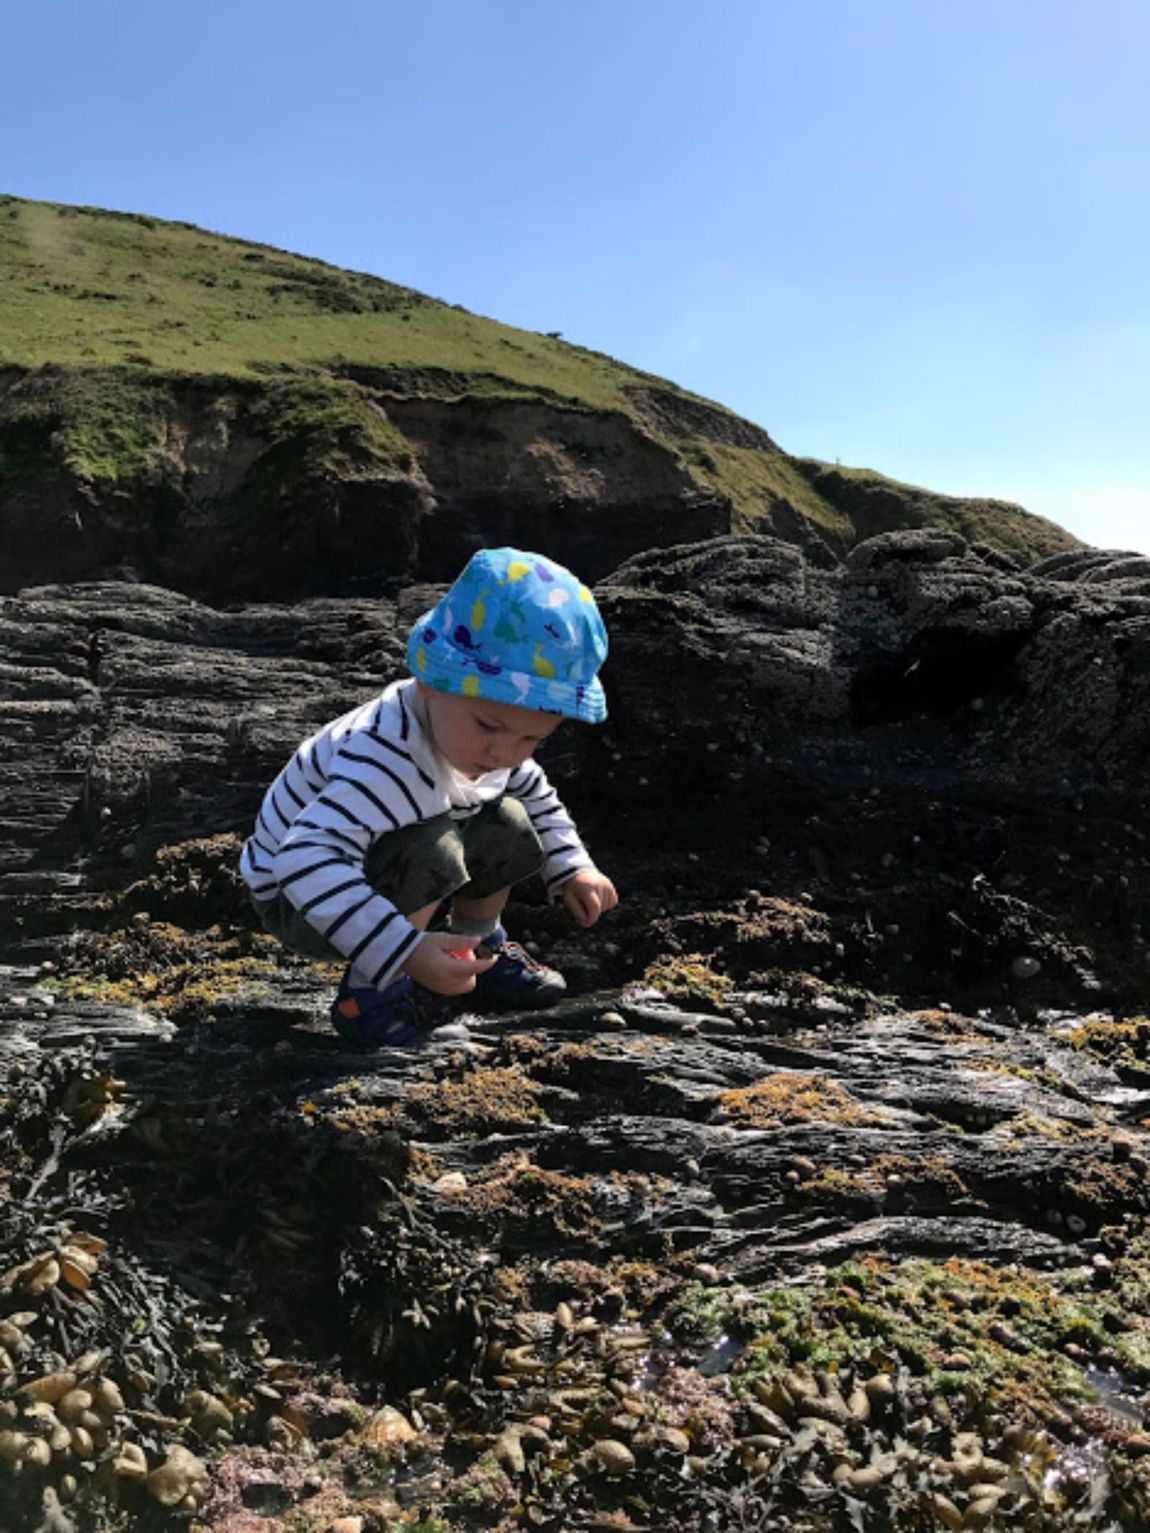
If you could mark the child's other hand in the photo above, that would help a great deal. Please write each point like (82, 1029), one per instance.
(587, 895)
(444, 962)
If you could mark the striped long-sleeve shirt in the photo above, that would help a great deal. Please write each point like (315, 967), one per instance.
(373, 771)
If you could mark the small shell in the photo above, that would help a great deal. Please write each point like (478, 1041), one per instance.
(615, 1457)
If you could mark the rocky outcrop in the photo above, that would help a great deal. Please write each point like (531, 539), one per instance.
(908, 732)
(823, 1197)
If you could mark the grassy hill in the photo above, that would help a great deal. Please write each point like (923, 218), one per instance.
(118, 332)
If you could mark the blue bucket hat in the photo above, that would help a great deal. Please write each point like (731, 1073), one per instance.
(515, 628)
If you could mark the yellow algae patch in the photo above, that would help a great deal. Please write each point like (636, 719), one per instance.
(791, 1098)
(496, 1099)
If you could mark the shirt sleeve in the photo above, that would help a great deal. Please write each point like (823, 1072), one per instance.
(319, 866)
(564, 853)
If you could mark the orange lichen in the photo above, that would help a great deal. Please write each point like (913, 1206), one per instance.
(792, 1098)
(496, 1099)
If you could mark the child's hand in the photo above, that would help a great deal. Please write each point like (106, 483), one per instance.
(444, 962)
(587, 894)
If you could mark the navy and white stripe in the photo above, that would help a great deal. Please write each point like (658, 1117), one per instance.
(564, 853)
(370, 772)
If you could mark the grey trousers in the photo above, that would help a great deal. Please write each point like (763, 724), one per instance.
(423, 864)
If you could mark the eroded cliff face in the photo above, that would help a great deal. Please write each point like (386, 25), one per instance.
(232, 491)
(363, 478)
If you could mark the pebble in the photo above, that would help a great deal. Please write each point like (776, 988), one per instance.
(707, 1274)
(1025, 968)
(612, 1021)
(450, 1181)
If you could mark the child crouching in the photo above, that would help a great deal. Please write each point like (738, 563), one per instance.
(431, 793)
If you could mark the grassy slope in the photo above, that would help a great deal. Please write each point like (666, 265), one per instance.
(120, 308)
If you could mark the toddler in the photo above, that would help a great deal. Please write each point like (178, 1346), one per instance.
(430, 792)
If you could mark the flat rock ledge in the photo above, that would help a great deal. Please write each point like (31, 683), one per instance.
(627, 1264)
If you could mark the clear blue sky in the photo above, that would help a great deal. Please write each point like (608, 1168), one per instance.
(910, 234)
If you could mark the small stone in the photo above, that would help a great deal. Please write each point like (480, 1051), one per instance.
(450, 1181)
(1076, 1224)
(707, 1274)
(804, 1165)
(612, 1021)
(345, 1525)
(1025, 968)
(677, 1441)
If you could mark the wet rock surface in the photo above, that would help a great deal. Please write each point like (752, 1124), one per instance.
(821, 1203)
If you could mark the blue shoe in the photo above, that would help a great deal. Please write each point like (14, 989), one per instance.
(515, 979)
(403, 1015)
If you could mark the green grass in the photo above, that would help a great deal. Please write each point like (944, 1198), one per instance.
(90, 289)
(875, 503)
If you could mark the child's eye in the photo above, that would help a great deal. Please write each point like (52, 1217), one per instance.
(488, 729)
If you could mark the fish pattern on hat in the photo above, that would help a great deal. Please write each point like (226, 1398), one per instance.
(515, 628)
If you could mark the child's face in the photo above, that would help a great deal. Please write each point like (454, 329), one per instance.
(477, 736)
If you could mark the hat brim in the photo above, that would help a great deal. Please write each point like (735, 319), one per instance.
(448, 669)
